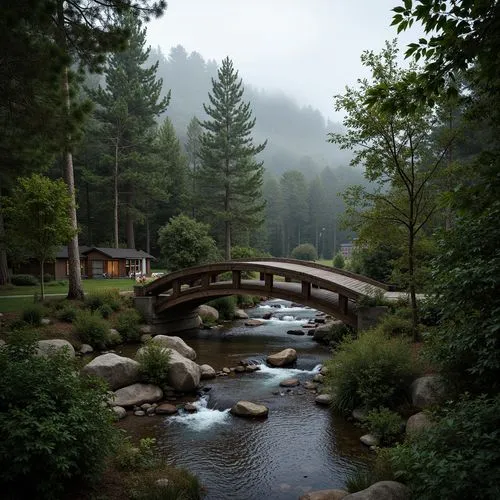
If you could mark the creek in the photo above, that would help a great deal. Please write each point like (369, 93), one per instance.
(300, 447)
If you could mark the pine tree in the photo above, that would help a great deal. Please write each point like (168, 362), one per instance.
(230, 174)
(193, 146)
(127, 109)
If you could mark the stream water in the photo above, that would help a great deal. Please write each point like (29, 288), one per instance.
(300, 447)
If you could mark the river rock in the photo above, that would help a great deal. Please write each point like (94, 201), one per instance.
(120, 412)
(418, 423)
(208, 312)
(183, 374)
(47, 347)
(427, 391)
(310, 386)
(86, 349)
(166, 409)
(206, 372)
(383, 490)
(254, 322)
(240, 314)
(290, 382)
(319, 378)
(295, 332)
(282, 358)
(117, 371)
(177, 344)
(239, 369)
(369, 440)
(323, 399)
(249, 409)
(324, 495)
(190, 408)
(267, 315)
(359, 414)
(137, 394)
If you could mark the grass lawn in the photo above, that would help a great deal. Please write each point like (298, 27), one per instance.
(325, 262)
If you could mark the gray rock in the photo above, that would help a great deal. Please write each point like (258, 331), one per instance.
(418, 423)
(150, 411)
(240, 314)
(162, 483)
(249, 409)
(427, 391)
(282, 358)
(383, 490)
(117, 371)
(359, 414)
(291, 382)
(369, 440)
(295, 332)
(177, 344)
(207, 372)
(190, 408)
(323, 399)
(45, 321)
(310, 386)
(139, 413)
(137, 394)
(145, 329)
(319, 378)
(47, 347)
(119, 411)
(86, 349)
(183, 374)
(325, 495)
(166, 409)
(254, 322)
(226, 370)
(208, 312)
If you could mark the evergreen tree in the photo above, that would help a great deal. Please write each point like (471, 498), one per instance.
(127, 109)
(229, 171)
(193, 146)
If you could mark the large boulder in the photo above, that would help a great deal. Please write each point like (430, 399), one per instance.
(322, 332)
(207, 372)
(418, 423)
(249, 409)
(47, 347)
(427, 391)
(383, 490)
(323, 399)
(240, 314)
(137, 394)
(117, 371)
(283, 358)
(325, 495)
(177, 344)
(208, 312)
(183, 374)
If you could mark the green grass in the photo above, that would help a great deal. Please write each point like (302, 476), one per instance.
(15, 304)
(325, 262)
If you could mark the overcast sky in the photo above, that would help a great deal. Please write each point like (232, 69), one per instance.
(308, 48)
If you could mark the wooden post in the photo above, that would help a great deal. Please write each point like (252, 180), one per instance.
(176, 288)
(268, 281)
(343, 304)
(213, 278)
(236, 279)
(261, 277)
(205, 281)
(306, 289)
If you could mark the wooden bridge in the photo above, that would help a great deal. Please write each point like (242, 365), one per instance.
(333, 291)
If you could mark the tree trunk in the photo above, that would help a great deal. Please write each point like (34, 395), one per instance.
(148, 236)
(4, 267)
(411, 288)
(227, 242)
(42, 284)
(115, 213)
(75, 290)
(129, 223)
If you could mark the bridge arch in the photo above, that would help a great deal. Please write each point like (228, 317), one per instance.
(333, 291)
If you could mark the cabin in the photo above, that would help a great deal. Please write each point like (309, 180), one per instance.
(95, 262)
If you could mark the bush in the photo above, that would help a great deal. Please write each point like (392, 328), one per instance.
(246, 301)
(105, 311)
(338, 261)
(113, 338)
(67, 314)
(395, 325)
(112, 298)
(93, 301)
(24, 280)
(370, 371)
(337, 333)
(458, 457)
(32, 315)
(384, 424)
(381, 470)
(127, 323)
(153, 363)
(91, 329)
(54, 425)
(225, 305)
(306, 251)
(129, 457)
(47, 278)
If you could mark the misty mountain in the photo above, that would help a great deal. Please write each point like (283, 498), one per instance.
(296, 135)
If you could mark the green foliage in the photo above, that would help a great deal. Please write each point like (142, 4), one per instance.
(91, 329)
(32, 315)
(154, 362)
(458, 457)
(131, 458)
(385, 424)
(338, 261)
(246, 301)
(374, 300)
(380, 470)
(113, 338)
(185, 242)
(306, 251)
(395, 325)
(127, 322)
(105, 311)
(94, 301)
(54, 425)
(24, 280)
(225, 306)
(370, 371)
(337, 333)
(375, 261)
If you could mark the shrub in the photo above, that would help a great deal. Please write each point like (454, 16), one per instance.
(113, 338)
(306, 251)
(394, 325)
(338, 261)
(32, 315)
(47, 278)
(337, 333)
(91, 329)
(129, 457)
(105, 311)
(245, 301)
(93, 301)
(68, 313)
(225, 305)
(24, 280)
(54, 426)
(385, 424)
(370, 371)
(153, 363)
(112, 298)
(127, 323)
(381, 470)
(456, 458)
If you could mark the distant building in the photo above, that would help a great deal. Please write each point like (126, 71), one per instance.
(346, 249)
